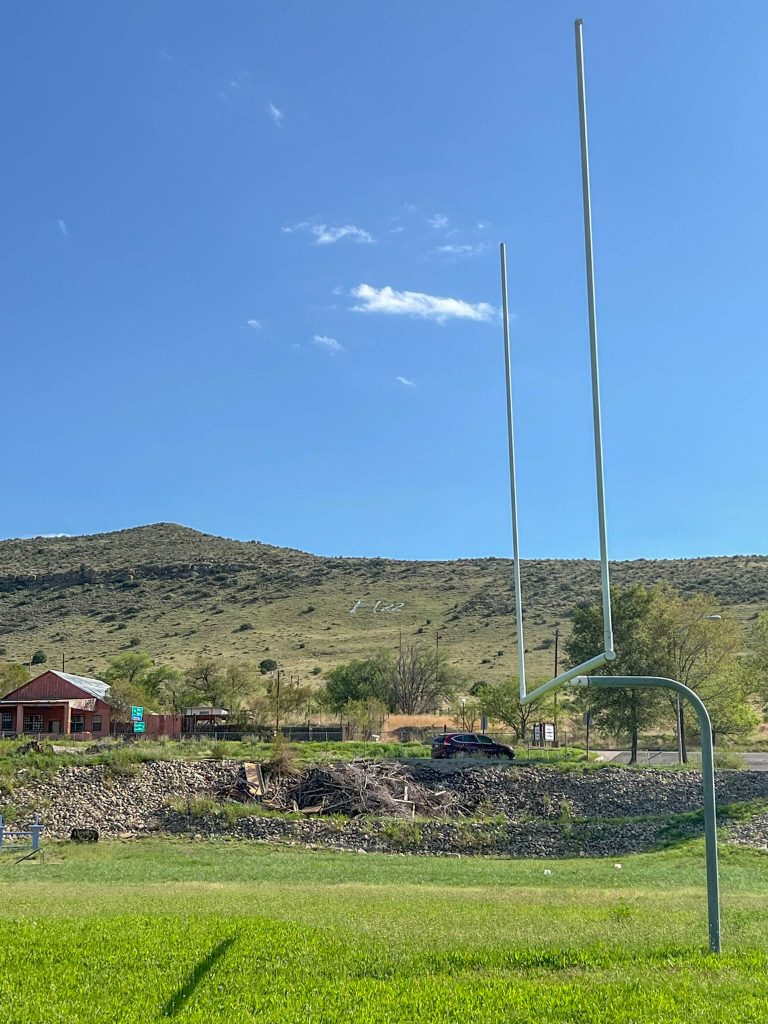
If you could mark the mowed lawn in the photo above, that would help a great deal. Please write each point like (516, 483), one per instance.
(169, 930)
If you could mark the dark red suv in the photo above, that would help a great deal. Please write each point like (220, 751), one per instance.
(451, 744)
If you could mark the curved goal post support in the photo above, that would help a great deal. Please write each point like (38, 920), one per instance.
(707, 771)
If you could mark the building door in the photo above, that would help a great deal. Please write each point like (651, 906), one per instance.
(54, 726)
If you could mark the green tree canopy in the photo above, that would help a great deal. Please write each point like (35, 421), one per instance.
(366, 716)
(501, 703)
(12, 676)
(355, 681)
(131, 667)
(641, 650)
(658, 632)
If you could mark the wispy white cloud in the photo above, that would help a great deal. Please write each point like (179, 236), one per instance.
(406, 382)
(438, 220)
(276, 114)
(62, 227)
(324, 234)
(397, 230)
(164, 55)
(455, 251)
(420, 305)
(232, 85)
(255, 325)
(330, 344)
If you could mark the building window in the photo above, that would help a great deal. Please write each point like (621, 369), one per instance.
(96, 723)
(8, 725)
(33, 723)
(78, 723)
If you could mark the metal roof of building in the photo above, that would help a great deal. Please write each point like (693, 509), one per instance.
(96, 687)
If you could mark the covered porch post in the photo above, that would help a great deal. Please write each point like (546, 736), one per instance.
(19, 719)
(67, 718)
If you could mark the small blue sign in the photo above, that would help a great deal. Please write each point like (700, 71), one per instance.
(137, 714)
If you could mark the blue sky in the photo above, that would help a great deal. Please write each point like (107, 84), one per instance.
(250, 272)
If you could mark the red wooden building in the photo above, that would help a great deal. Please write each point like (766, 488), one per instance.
(57, 703)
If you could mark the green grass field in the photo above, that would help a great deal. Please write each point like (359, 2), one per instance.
(206, 932)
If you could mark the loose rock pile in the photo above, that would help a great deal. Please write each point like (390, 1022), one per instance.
(515, 811)
(753, 832)
(120, 804)
(606, 792)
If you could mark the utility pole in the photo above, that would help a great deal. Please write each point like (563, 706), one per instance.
(437, 656)
(62, 661)
(277, 705)
(557, 642)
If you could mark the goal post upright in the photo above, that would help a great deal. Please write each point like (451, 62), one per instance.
(607, 654)
(594, 365)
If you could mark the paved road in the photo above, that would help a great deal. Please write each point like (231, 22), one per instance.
(756, 762)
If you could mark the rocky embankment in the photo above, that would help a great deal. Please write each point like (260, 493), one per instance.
(514, 811)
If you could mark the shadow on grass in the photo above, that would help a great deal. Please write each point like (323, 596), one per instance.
(183, 993)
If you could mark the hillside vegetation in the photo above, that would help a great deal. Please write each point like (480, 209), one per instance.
(178, 593)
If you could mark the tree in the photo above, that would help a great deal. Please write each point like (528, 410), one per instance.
(418, 680)
(367, 716)
(12, 676)
(355, 681)
(466, 710)
(704, 643)
(501, 703)
(39, 658)
(726, 696)
(126, 675)
(205, 680)
(758, 660)
(641, 650)
(167, 685)
(131, 667)
(123, 695)
(267, 665)
(291, 699)
(240, 682)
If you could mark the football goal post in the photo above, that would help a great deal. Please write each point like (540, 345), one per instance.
(578, 674)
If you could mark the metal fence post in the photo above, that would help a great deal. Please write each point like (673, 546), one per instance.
(2, 829)
(36, 828)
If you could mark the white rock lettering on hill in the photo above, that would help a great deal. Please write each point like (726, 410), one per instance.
(377, 606)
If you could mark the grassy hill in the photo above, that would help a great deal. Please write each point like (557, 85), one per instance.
(177, 593)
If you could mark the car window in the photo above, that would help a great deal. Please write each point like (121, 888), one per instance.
(471, 738)
(484, 739)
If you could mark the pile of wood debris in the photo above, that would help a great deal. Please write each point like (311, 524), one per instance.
(351, 788)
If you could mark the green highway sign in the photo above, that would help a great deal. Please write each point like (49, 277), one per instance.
(137, 714)
(139, 726)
